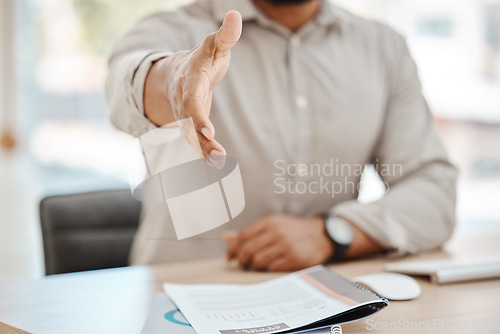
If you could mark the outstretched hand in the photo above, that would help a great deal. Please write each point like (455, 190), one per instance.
(186, 81)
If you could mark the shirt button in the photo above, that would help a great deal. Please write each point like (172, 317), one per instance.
(301, 102)
(294, 41)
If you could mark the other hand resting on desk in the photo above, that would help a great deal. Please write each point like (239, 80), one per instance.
(284, 243)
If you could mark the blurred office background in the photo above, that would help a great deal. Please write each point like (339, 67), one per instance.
(56, 138)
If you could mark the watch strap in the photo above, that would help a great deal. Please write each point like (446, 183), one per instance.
(339, 249)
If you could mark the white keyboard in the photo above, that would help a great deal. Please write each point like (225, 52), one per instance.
(451, 270)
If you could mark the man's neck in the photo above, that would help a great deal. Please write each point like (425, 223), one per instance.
(292, 17)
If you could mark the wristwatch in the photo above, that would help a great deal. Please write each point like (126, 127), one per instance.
(340, 233)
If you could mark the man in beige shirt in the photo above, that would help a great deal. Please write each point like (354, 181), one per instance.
(303, 94)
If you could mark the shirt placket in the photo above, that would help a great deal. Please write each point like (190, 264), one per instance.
(299, 108)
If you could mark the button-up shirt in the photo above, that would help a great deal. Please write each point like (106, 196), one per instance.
(302, 112)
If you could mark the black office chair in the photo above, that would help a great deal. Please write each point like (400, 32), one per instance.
(88, 231)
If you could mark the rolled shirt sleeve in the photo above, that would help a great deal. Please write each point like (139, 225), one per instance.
(418, 210)
(132, 56)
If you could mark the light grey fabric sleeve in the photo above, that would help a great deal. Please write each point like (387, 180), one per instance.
(132, 56)
(418, 211)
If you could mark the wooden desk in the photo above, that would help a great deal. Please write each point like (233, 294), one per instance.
(118, 300)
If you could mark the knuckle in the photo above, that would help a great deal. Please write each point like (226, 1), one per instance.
(244, 255)
(179, 82)
(178, 69)
(210, 38)
(186, 103)
(296, 259)
(258, 258)
(279, 231)
(191, 102)
(204, 145)
(258, 262)
(276, 267)
(207, 46)
(244, 235)
(279, 235)
(175, 100)
(272, 222)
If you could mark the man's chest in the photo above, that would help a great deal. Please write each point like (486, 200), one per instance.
(304, 95)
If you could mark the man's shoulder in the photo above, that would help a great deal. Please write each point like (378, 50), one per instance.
(367, 28)
(193, 19)
(201, 9)
(375, 37)
(190, 10)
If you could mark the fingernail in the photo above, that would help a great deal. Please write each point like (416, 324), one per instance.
(206, 133)
(217, 159)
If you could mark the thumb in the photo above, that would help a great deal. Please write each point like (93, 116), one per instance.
(229, 33)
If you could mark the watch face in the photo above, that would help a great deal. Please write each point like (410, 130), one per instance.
(340, 230)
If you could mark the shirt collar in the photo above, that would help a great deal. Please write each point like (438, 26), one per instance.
(328, 15)
(331, 14)
(245, 7)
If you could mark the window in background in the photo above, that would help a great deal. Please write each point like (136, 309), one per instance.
(456, 44)
(71, 138)
(65, 142)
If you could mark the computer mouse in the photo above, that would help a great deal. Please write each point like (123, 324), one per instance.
(390, 285)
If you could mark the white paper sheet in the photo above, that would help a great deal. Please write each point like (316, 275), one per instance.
(279, 305)
(165, 318)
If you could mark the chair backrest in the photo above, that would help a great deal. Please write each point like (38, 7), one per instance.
(88, 231)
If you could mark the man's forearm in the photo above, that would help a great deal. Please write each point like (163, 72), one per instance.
(362, 244)
(157, 106)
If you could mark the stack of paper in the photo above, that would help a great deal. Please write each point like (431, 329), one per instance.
(308, 301)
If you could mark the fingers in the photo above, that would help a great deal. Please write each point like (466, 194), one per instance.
(263, 258)
(253, 246)
(197, 75)
(191, 136)
(213, 152)
(245, 234)
(253, 230)
(196, 102)
(229, 33)
(280, 263)
(231, 238)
